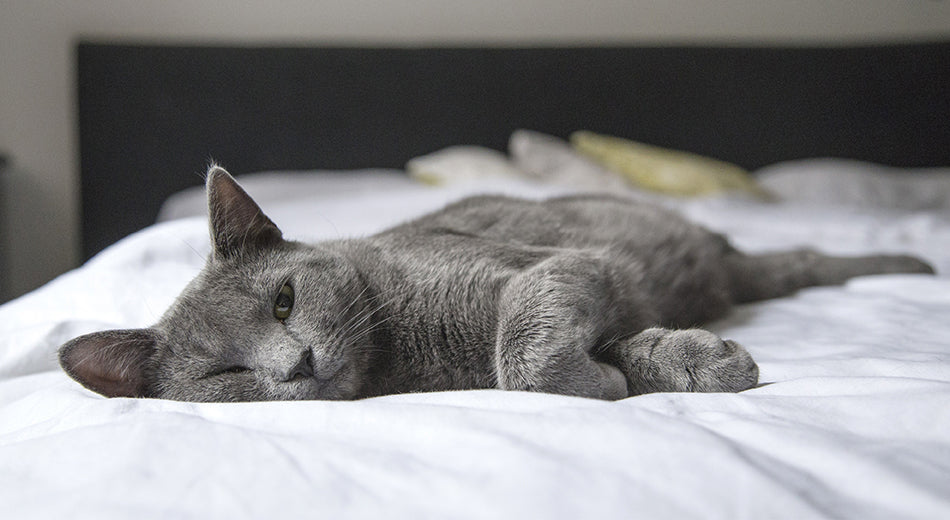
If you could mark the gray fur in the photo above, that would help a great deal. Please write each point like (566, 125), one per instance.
(585, 295)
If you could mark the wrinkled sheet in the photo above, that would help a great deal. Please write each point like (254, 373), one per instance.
(855, 422)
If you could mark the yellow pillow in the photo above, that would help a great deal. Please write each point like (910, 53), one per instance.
(663, 170)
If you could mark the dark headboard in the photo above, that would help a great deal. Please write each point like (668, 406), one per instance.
(151, 117)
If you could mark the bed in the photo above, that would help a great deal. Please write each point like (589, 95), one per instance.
(850, 143)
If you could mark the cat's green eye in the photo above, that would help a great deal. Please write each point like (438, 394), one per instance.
(284, 302)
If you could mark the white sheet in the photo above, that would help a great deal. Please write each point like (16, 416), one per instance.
(856, 422)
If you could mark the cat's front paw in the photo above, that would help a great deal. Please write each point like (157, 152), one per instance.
(692, 360)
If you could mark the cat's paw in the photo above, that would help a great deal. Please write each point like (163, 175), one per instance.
(691, 360)
(714, 364)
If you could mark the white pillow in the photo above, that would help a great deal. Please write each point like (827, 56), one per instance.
(549, 159)
(462, 164)
(855, 183)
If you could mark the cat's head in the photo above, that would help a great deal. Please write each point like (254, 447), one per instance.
(266, 319)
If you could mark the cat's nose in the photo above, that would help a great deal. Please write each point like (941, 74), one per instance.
(303, 368)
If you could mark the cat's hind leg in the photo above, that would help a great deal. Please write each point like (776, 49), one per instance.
(550, 318)
(759, 277)
(690, 360)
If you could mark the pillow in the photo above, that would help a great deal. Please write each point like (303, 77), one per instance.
(667, 171)
(461, 164)
(549, 159)
(848, 182)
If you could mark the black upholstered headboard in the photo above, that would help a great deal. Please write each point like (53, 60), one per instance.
(152, 116)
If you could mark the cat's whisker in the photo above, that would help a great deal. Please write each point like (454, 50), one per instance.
(366, 317)
(348, 335)
(193, 248)
(150, 310)
(332, 224)
(361, 317)
(355, 299)
(358, 320)
(369, 330)
(603, 347)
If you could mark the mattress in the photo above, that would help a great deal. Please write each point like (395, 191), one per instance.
(852, 421)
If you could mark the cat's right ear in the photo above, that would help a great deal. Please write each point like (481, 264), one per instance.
(237, 223)
(112, 363)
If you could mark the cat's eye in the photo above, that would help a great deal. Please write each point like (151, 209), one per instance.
(284, 303)
(231, 370)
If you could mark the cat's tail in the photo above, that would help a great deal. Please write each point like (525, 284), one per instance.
(759, 277)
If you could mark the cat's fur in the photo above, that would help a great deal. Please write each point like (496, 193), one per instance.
(580, 295)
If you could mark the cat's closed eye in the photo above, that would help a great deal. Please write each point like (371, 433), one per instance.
(284, 303)
(229, 370)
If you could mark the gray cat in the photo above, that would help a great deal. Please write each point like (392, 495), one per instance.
(582, 295)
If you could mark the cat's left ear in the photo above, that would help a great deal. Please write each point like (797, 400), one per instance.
(237, 222)
(112, 363)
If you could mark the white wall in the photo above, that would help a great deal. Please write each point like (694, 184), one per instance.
(37, 122)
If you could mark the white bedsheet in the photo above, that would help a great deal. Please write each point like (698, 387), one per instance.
(855, 422)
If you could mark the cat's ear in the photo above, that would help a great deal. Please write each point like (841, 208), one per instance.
(237, 223)
(112, 363)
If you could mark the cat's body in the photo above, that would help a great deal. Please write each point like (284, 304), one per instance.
(450, 275)
(579, 295)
